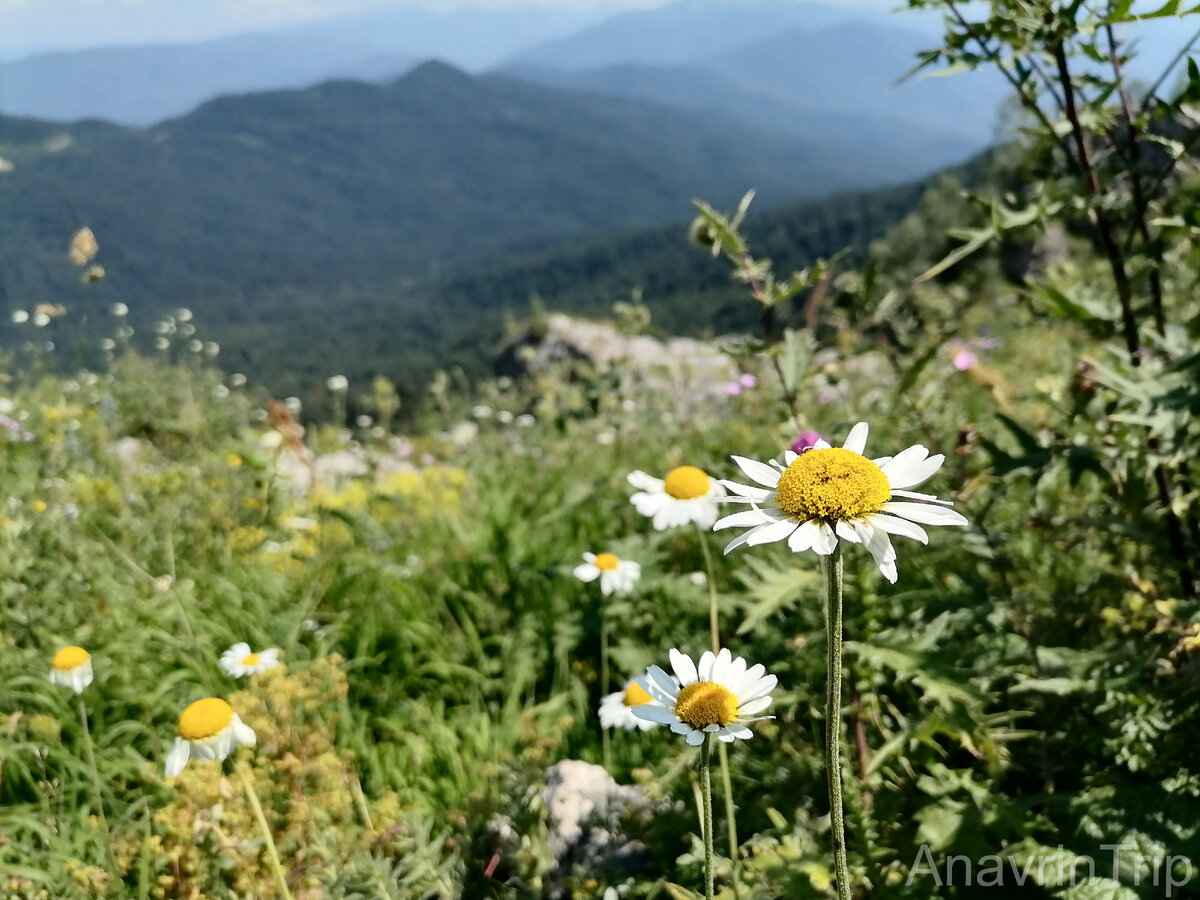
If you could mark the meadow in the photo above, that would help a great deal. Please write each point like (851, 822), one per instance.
(402, 619)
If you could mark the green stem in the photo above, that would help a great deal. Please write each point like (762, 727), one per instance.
(711, 581)
(722, 750)
(831, 568)
(259, 817)
(707, 823)
(604, 686)
(90, 751)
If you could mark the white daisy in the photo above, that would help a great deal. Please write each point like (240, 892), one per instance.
(208, 729)
(828, 493)
(239, 661)
(616, 709)
(616, 575)
(686, 495)
(72, 668)
(719, 696)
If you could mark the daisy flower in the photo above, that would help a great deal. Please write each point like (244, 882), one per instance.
(719, 696)
(239, 661)
(72, 668)
(616, 709)
(208, 729)
(686, 495)
(616, 575)
(828, 493)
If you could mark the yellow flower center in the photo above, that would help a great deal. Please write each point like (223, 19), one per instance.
(635, 695)
(706, 703)
(686, 483)
(205, 718)
(69, 658)
(607, 562)
(251, 660)
(832, 484)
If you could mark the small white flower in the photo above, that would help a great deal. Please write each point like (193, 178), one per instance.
(685, 496)
(719, 696)
(504, 417)
(698, 578)
(525, 420)
(337, 383)
(208, 729)
(616, 575)
(183, 314)
(72, 668)
(237, 380)
(828, 493)
(119, 310)
(20, 316)
(616, 709)
(238, 660)
(41, 320)
(481, 412)
(196, 346)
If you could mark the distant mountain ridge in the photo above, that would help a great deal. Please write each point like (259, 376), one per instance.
(327, 221)
(352, 181)
(141, 85)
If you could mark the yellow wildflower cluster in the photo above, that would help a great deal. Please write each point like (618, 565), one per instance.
(423, 493)
(208, 833)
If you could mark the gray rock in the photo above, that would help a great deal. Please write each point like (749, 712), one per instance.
(587, 812)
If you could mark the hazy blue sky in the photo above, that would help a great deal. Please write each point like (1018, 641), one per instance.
(34, 25)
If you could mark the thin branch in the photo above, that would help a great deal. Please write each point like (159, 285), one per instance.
(1134, 157)
(1030, 100)
(1152, 94)
(1104, 228)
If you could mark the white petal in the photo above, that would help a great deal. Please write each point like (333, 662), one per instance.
(803, 537)
(685, 669)
(744, 493)
(696, 738)
(740, 732)
(644, 482)
(720, 670)
(269, 658)
(649, 504)
(586, 572)
(681, 727)
(911, 467)
(705, 667)
(775, 531)
(756, 705)
(825, 541)
(925, 514)
(652, 712)
(790, 457)
(745, 519)
(903, 527)
(663, 681)
(759, 472)
(928, 498)
(846, 532)
(589, 557)
(822, 444)
(178, 757)
(765, 685)
(881, 550)
(747, 537)
(856, 440)
(243, 733)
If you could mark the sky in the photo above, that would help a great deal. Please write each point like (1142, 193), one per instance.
(29, 26)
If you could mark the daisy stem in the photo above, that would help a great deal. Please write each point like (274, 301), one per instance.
(707, 824)
(722, 750)
(90, 751)
(605, 743)
(259, 817)
(831, 568)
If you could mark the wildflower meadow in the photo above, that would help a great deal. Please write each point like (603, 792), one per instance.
(893, 597)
